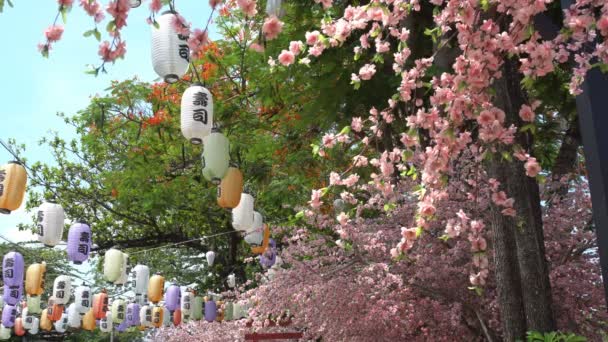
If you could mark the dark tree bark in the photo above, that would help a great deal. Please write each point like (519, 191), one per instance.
(565, 163)
(518, 241)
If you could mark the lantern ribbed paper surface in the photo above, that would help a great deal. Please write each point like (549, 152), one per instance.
(45, 322)
(34, 279)
(119, 308)
(5, 332)
(100, 305)
(231, 280)
(145, 316)
(9, 313)
(79, 242)
(12, 269)
(157, 316)
(170, 52)
(216, 156)
(196, 119)
(113, 264)
(210, 257)
(177, 317)
(62, 289)
(83, 298)
(197, 308)
(166, 317)
(19, 330)
(27, 319)
(140, 276)
(186, 302)
(62, 324)
(242, 215)
(210, 311)
(229, 311)
(122, 326)
(133, 314)
(172, 297)
(105, 324)
(35, 325)
(88, 321)
(13, 179)
(73, 316)
(123, 271)
(54, 310)
(50, 223)
(155, 288)
(230, 189)
(12, 294)
(34, 304)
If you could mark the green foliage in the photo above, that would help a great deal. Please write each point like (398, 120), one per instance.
(535, 336)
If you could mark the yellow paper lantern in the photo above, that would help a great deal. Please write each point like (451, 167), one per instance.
(261, 249)
(34, 279)
(155, 288)
(88, 321)
(113, 264)
(157, 316)
(45, 321)
(230, 189)
(13, 179)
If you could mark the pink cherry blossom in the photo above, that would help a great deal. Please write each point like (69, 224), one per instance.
(197, 41)
(329, 140)
(526, 113)
(155, 5)
(312, 37)
(257, 47)
(248, 7)
(286, 58)
(54, 33)
(342, 219)
(367, 71)
(214, 3)
(65, 3)
(356, 124)
(296, 47)
(315, 199)
(272, 27)
(532, 167)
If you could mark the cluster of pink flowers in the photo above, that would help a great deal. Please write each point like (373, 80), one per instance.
(93, 9)
(110, 52)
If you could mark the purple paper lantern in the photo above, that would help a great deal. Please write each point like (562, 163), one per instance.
(172, 298)
(79, 242)
(12, 294)
(13, 268)
(270, 256)
(210, 311)
(122, 326)
(9, 312)
(132, 314)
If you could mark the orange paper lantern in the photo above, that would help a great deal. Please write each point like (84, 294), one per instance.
(157, 316)
(177, 317)
(34, 279)
(155, 288)
(88, 321)
(54, 310)
(230, 189)
(261, 249)
(13, 179)
(100, 305)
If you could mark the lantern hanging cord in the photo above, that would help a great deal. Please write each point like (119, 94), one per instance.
(184, 242)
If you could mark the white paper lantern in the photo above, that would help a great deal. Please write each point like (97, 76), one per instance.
(231, 280)
(140, 276)
(145, 316)
(62, 289)
(105, 324)
(196, 113)
(34, 325)
(170, 52)
(5, 333)
(242, 215)
(62, 324)
(123, 273)
(113, 264)
(73, 316)
(166, 317)
(83, 298)
(186, 303)
(50, 223)
(27, 324)
(210, 257)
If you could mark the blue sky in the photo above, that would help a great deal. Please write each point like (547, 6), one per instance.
(35, 88)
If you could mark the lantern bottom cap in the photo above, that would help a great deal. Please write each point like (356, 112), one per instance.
(216, 180)
(171, 78)
(4, 211)
(196, 141)
(135, 3)
(77, 262)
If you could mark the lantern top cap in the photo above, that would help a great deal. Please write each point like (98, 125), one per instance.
(15, 162)
(82, 221)
(215, 129)
(169, 12)
(197, 84)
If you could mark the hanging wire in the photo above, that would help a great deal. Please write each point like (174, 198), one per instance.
(184, 242)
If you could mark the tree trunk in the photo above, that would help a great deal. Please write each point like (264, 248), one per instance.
(525, 266)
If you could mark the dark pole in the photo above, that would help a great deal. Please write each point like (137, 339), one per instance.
(592, 109)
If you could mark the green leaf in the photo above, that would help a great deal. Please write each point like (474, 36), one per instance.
(88, 33)
(299, 214)
(97, 35)
(111, 26)
(64, 15)
(485, 5)
(345, 130)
